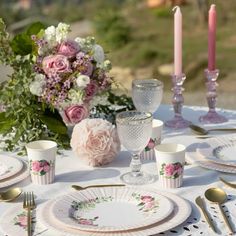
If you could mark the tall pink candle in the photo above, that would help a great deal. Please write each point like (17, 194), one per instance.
(212, 38)
(177, 41)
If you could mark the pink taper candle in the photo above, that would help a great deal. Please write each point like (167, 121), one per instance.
(177, 41)
(212, 38)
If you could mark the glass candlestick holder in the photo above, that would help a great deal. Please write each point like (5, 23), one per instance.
(212, 117)
(178, 122)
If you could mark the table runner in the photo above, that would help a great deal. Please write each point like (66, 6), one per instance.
(70, 170)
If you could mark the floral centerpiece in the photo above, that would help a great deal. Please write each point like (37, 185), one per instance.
(56, 82)
(71, 75)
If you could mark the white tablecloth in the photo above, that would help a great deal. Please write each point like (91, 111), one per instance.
(69, 170)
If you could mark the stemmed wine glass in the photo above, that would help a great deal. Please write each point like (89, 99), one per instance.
(147, 94)
(134, 130)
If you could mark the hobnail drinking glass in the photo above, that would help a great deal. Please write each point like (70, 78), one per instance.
(134, 130)
(147, 94)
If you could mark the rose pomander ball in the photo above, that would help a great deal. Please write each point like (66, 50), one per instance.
(95, 141)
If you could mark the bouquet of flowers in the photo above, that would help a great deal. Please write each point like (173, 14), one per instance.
(71, 75)
(55, 82)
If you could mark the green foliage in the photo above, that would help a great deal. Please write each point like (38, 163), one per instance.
(25, 119)
(163, 12)
(112, 28)
(22, 44)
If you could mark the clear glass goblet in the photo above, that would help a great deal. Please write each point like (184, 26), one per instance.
(134, 130)
(147, 94)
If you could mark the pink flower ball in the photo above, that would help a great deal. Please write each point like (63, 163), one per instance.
(95, 141)
(56, 64)
(68, 49)
(75, 113)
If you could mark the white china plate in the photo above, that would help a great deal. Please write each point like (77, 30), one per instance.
(111, 209)
(182, 210)
(23, 174)
(221, 150)
(9, 166)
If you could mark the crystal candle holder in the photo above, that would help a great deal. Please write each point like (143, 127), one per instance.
(212, 117)
(178, 122)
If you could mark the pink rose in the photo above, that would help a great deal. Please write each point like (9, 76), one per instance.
(68, 48)
(75, 113)
(151, 144)
(36, 166)
(22, 220)
(149, 205)
(169, 169)
(85, 222)
(46, 168)
(90, 91)
(56, 64)
(146, 199)
(96, 141)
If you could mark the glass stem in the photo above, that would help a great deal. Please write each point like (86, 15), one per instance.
(135, 165)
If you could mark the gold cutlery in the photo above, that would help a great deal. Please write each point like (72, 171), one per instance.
(219, 196)
(200, 203)
(227, 183)
(201, 131)
(10, 194)
(77, 187)
(29, 204)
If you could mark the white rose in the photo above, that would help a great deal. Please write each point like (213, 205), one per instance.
(62, 31)
(98, 53)
(82, 81)
(37, 86)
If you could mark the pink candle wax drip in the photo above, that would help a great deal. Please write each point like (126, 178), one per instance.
(177, 41)
(212, 38)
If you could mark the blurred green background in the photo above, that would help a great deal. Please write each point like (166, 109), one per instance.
(137, 36)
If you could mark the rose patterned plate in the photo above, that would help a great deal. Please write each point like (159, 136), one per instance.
(9, 166)
(221, 150)
(181, 212)
(23, 174)
(111, 209)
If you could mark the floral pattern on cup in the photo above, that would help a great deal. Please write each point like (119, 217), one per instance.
(171, 170)
(21, 220)
(40, 167)
(77, 207)
(152, 143)
(146, 203)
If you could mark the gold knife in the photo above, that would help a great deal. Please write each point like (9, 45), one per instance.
(77, 187)
(199, 202)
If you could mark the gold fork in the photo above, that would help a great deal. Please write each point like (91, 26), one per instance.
(29, 204)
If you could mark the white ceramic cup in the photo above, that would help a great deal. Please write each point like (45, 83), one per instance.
(42, 156)
(148, 152)
(170, 159)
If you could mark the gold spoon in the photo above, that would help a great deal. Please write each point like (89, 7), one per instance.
(10, 194)
(77, 187)
(201, 131)
(218, 196)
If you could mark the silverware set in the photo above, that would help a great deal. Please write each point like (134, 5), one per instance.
(217, 196)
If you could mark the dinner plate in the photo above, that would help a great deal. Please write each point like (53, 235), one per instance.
(221, 150)
(9, 166)
(182, 210)
(111, 209)
(23, 174)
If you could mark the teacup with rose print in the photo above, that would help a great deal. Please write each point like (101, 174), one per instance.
(170, 159)
(41, 156)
